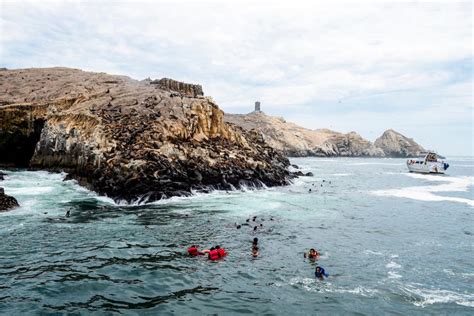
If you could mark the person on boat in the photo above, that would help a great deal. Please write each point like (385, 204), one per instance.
(194, 251)
(312, 254)
(221, 251)
(255, 252)
(320, 273)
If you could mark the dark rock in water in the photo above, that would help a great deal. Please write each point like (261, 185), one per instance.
(309, 174)
(295, 166)
(7, 202)
(2, 176)
(128, 139)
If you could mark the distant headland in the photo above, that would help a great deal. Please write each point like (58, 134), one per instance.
(297, 141)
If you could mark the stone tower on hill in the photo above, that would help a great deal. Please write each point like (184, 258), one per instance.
(257, 106)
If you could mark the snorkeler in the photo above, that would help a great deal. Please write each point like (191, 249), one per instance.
(193, 251)
(221, 252)
(213, 254)
(320, 273)
(312, 254)
(255, 242)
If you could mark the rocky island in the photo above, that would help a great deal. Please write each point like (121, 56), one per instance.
(296, 141)
(127, 139)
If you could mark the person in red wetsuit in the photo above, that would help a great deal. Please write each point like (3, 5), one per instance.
(213, 254)
(193, 251)
(221, 252)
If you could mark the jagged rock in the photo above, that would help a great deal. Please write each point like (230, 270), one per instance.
(187, 89)
(395, 144)
(296, 141)
(7, 202)
(127, 139)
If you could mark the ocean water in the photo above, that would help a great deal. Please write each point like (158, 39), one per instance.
(392, 242)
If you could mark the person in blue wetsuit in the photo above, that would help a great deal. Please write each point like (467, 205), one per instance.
(320, 273)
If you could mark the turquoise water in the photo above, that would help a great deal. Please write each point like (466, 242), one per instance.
(392, 242)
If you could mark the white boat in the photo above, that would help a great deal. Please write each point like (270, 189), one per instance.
(428, 163)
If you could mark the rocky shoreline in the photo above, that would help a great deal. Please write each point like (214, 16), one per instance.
(153, 139)
(126, 139)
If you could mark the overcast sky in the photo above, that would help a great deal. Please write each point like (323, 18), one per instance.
(362, 67)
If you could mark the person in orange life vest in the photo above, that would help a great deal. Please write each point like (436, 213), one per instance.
(193, 251)
(312, 254)
(213, 254)
(221, 252)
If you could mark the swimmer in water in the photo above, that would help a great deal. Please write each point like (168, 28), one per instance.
(193, 251)
(255, 242)
(312, 254)
(320, 273)
(255, 252)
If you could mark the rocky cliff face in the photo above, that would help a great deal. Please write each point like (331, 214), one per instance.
(395, 144)
(296, 141)
(128, 139)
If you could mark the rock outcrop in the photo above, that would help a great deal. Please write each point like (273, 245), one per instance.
(7, 202)
(189, 90)
(128, 139)
(395, 144)
(296, 141)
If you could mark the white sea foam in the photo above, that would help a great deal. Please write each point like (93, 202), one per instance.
(371, 252)
(393, 275)
(393, 265)
(313, 285)
(34, 190)
(424, 297)
(426, 193)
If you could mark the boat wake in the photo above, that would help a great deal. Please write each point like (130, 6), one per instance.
(427, 193)
(422, 297)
